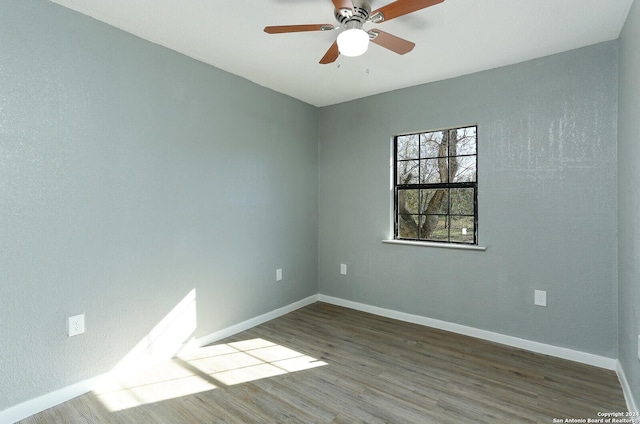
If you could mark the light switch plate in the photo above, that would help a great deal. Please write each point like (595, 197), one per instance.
(343, 269)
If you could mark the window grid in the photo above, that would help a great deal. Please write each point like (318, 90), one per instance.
(445, 217)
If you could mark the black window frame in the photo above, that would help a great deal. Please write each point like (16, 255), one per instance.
(436, 186)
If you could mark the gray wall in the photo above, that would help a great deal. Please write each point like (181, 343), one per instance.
(130, 175)
(547, 201)
(629, 200)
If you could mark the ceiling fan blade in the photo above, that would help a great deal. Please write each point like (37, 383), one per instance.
(281, 29)
(331, 55)
(391, 42)
(399, 8)
(343, 4)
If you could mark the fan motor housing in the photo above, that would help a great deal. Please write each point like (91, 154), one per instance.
(361, 10)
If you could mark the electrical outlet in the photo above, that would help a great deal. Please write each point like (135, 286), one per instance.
(76, 325)
(343, 269)
(540, 298)
(279, 274)
(639, 347)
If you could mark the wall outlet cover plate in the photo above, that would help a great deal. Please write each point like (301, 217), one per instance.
(75, 325)
(540, 298)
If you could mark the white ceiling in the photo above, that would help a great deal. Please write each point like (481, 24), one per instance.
(453, 38)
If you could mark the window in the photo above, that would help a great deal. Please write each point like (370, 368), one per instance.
(436, 187)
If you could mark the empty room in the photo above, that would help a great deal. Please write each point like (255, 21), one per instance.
(319, 211)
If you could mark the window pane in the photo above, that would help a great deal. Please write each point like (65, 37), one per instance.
(430, 170)
(409, 201)
(466, 168)
(434, 201)
(436, 165)
(430, 145)
(408, 172)
(407, 226)
(466, 141)
(434, 228)
(408, 146)
(462, 229)
(462, 201)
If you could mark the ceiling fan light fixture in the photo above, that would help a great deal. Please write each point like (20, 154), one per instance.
(353, 42)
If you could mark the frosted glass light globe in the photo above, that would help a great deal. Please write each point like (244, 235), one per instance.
(353, 42)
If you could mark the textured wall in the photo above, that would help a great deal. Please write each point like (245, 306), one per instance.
(130, 175)
(629, 200)
(547, 201)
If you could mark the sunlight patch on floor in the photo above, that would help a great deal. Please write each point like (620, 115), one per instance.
(201, 369)
(157, 383)
(248, 360)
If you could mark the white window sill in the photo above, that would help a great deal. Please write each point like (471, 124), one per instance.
(433, 244)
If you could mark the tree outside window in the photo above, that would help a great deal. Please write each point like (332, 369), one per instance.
(436, 188)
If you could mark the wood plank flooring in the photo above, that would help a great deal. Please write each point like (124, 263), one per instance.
(327, 364)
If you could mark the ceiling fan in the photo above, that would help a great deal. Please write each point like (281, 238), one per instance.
(351, 16)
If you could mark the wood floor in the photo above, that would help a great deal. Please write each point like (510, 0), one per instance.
(327, 364)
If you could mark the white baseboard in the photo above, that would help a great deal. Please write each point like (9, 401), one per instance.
(250, 323)
(39, 404)
(626, 389)
(49, 400)
(559, 352)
